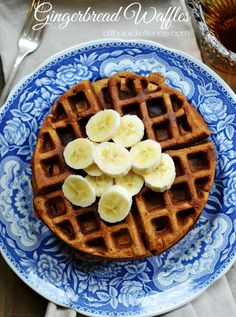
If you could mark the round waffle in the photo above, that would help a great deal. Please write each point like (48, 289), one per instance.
(156, 220)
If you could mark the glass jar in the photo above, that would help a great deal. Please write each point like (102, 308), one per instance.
(214, 22)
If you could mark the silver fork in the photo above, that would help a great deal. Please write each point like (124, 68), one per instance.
(28, 42)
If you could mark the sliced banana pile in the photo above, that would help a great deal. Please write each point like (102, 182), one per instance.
(117, 163)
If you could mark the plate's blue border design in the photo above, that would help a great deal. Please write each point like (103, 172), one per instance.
(141, 288)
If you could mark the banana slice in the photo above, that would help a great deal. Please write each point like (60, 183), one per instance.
(163, 176)
(103, 125)
(146, 156)
(112, 159)
(132, 182)
(114, 204)
(93, 170)
(78, 153)
(100, 183)
(130, 132)
(78, 191)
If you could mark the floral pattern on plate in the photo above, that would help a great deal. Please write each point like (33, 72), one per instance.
(148, 286)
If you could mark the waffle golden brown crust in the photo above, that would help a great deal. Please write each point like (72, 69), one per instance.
(157, 220)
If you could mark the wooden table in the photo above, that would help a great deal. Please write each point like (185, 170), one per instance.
(16, 298)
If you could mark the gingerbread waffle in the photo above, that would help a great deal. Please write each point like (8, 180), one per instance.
(157, 220)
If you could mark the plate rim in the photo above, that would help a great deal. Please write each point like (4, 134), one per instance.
(119, 40)
(107, 41)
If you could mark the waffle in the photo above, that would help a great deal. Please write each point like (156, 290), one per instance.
(156, 220)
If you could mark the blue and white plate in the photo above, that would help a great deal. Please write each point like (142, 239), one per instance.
(137, 288)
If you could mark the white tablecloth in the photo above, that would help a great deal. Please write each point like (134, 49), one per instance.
(219, 299)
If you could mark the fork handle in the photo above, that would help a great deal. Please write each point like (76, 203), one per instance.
(7, 87)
